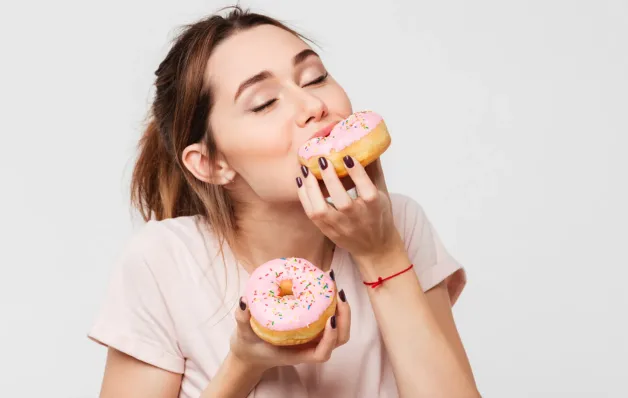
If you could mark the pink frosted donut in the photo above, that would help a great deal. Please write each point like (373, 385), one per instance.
(363, 136)
(290, 301)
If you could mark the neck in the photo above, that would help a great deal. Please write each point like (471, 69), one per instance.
(266, 232)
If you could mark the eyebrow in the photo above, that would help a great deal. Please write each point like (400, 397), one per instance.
(263, 75)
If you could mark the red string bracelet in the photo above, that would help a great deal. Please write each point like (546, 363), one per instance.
(381, 280)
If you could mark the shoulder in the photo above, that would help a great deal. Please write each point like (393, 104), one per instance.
(168, 234)
(433, 262)
(413, 224)
(167, 245)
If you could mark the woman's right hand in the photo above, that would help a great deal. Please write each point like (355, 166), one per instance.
(250, 349)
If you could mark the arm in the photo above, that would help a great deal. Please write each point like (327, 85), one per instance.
(417, 328)
(427, 356)
(126, 376)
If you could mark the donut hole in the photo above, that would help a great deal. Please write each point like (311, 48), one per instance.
(285, 288)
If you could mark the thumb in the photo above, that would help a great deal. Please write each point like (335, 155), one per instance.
(243, 319)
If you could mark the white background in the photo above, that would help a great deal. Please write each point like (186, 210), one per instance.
(509, 123)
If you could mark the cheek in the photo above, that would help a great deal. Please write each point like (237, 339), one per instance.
(258, 140)
(337, 100)
(260, 151)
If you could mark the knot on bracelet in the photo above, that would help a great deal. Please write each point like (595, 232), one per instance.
(381, 280)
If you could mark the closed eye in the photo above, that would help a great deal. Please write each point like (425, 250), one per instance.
(268, 103)
(264, 105)
(318, 80)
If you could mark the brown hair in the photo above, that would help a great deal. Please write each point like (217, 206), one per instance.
(161, 186)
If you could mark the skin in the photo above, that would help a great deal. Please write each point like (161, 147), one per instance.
(258, 163)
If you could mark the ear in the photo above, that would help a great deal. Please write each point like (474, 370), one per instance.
(213, 171)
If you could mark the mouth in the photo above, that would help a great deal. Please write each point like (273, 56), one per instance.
(325, 131)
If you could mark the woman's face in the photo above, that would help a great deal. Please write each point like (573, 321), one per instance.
(271, 94)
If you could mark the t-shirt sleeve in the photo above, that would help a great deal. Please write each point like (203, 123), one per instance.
(134, 317)
(432, 262)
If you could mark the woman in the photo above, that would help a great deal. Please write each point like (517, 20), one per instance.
(218, 173)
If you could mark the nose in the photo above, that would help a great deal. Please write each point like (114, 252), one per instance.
(311, 108)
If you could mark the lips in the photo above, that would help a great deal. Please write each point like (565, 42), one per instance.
(317, 137)
(325, 131)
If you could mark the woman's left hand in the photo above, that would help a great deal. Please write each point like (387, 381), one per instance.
(363, 226)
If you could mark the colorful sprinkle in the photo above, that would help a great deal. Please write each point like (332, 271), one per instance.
(312, 291)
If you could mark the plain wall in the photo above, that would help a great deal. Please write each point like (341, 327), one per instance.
(509, 123)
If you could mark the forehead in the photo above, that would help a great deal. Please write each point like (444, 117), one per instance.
(249, 52)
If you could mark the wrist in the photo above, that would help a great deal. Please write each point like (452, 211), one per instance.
(383, 263)
(239, 366)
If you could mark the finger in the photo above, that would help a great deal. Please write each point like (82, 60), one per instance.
(305, 201)
(243, 320)
(336, 190)
(367, 191)
(343, 318)
(323, 350)
(376, 174)
(320, 209)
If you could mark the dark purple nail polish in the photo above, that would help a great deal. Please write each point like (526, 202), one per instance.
(333, 322)
(322, 162)
(348, 161)
(305, 171)
(342, 296)
(299, 182)
(332, 276)
(242, 304)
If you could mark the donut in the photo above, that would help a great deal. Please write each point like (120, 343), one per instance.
(290, 301)
(363, 136)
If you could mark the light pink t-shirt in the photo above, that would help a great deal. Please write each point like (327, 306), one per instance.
(171, 300)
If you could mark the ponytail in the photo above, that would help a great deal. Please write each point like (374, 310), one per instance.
(158, 186)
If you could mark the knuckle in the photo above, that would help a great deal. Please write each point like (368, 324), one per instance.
(369, 197)
(241, 318)
(322, 357)
(345, 207)
(332, 234)
(317, 214)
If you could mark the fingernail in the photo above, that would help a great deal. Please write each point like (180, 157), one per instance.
(342, 296)
(299, 182)
(242, 304)
(333, 322)
(304, 170)
(348, 161)
(332, 276)
(322, 162)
